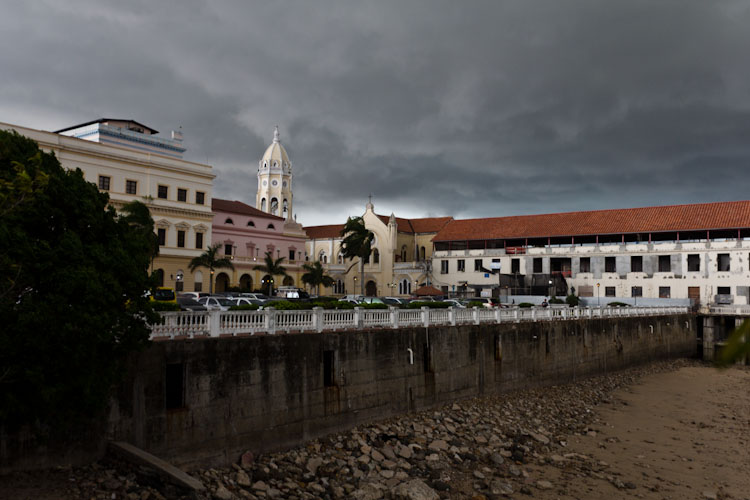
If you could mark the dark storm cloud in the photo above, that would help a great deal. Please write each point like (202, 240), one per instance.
(441, 108)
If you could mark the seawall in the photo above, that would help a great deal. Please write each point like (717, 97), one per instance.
(205, 401)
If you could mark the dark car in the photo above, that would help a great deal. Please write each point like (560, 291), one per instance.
(190, 304)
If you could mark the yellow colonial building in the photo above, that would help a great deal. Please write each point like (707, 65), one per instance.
(130, 162)
(401, 254)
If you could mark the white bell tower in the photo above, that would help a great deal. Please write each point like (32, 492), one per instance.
(275, 180)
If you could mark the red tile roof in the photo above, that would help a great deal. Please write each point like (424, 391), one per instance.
(237, 207)
(721, 215)
(424, 225)
(329, 231)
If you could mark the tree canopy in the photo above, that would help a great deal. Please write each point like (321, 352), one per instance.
(272, 267)
(357, 242)
(72, 279)
(315, 276)
(210, 259)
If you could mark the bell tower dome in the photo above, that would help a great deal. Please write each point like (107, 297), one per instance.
(275, 180)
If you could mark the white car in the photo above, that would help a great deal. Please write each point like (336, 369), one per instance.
(244, 301)
(216, 303)
(455, 303)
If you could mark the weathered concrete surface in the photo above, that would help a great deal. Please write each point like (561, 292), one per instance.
(268, 392)
(164, 469)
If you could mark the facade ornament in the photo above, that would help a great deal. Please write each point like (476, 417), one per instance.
(276, 134)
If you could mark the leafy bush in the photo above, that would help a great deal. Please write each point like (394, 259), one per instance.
(618, 304)
(287, 305)
(525, 304)
(572, 300)
(164, 306)
(475, 303)
(428, 303)
(245, 307)
(555, 300)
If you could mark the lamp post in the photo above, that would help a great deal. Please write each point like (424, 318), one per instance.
(550, 289)
(598, 303)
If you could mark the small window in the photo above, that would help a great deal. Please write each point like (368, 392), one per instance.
(609, 291)
(443, 267)
(174, 386)
(664, 292)
(537, 265)
(228, 249)
(250, 223)
(131, 187)
(724, 290)
(665, 264)
(229, 221)
(104, 181)
(636, 264)
(585, 264)
(477, 265)
(694, 262)
(636, 291)
(461, 265)
(515, 266)
(199, 240)
(723, 262)
(271, 226)
(610, 265)
(162, 236)
(162, 192)
(181, 194)
(376, 256)
(329, 368)
(291, 254)
(200, 198)
(181, 239)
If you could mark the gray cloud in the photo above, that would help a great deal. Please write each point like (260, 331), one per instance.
(439, 108)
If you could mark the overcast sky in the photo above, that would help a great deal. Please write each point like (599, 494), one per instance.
(469, 109)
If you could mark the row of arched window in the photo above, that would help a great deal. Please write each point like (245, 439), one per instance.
(274, 207)
(323, 257)
(250, 223)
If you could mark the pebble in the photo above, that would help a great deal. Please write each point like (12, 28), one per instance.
(473, 448)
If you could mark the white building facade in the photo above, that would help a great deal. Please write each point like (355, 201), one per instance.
(699, 252)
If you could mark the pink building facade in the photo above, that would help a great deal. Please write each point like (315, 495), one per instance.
(245, 235)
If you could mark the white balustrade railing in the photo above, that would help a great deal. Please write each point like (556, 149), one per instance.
(270, 321)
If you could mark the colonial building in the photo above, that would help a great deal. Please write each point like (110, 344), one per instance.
(246, 233)
(130, 162)
(400, 259)
(699, 251)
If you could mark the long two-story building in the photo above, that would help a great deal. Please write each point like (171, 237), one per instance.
(698, 251)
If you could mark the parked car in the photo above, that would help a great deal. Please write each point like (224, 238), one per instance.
(163, 294)
(216, 303)
(486, 301)
(391, 301)
(190, 304)
(455, 303)
(354, 299)
(192, 295)
(372, 300)
(397, 300)
(252, 295)
(245, 301)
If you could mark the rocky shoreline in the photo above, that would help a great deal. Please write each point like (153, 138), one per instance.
(479, 448)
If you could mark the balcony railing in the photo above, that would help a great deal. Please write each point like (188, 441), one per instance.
(270, 321)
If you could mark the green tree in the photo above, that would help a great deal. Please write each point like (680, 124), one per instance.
(737, 347)
(72, 307)
(316, 276)
(272, 267)
(210, 259)
(357, 242)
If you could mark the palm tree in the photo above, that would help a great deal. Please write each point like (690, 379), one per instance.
(272, 267)
(316, 276)
(357, 242)
(211, 260)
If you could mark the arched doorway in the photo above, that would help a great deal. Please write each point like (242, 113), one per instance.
(246, 282)
(288, 281)
(222, 282)
(371, 289)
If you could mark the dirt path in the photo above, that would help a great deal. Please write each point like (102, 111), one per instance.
(676, 435)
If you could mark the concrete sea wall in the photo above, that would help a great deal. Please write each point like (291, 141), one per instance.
(205, 401)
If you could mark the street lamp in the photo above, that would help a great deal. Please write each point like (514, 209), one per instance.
(550, 288)
(598, 303)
